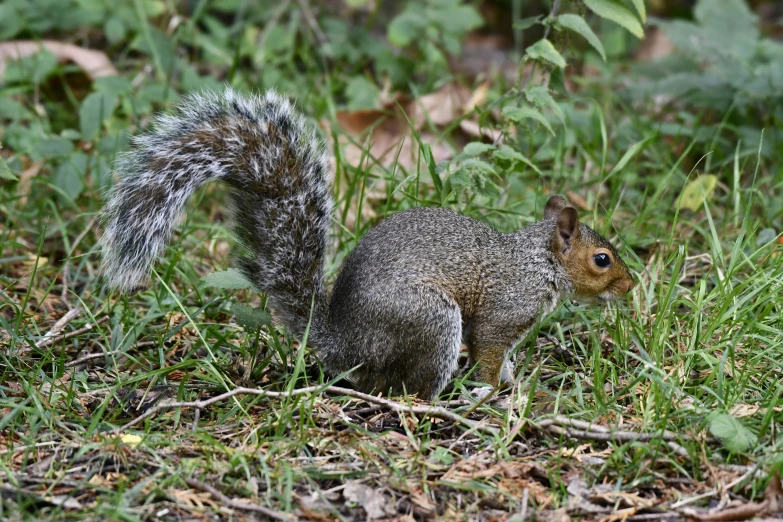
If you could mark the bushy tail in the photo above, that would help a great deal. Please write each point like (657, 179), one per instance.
(276, 169)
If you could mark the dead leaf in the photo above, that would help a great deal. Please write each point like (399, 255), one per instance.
(95, 64)
(25, 178)
(655, 45)
(374, 503)
(441, 107)
(774, 493)
(744, 410)
(697, 192)
(384, 139)
(65, 501)
(192, 498)
(577, 200)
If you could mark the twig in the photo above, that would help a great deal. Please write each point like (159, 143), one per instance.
(57, 327)
(432, 411)
(523, 513)
(244, 505)
(308, 14)
(30, 447)
(92, 356)
(562, 420)
(585, 430)
(69, 335)
(713, 491)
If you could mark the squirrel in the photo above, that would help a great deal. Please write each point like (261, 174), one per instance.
(416, 286)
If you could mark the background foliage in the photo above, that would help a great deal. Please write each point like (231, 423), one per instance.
(676, 159)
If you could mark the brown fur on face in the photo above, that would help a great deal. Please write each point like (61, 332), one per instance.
(577, 246)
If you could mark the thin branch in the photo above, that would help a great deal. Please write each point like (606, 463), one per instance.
(69, 335)
(90, 357)
(238, 504)
(616, 436)
(57, 327)
(562, 425)
(432, 411)
(562, 420)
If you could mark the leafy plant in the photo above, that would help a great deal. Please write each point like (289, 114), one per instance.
(434, 27)
(531, 106)
(725, 67)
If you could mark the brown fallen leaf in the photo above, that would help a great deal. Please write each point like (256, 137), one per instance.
(94, 63)
(655, 46)
(374, 503)
(383, 138)
(744, 410)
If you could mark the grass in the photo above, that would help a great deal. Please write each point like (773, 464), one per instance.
(696, 350)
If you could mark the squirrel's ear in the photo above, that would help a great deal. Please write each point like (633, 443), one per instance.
(554, 206)
(567, 230)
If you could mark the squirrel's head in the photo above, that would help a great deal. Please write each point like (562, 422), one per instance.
(597, 272)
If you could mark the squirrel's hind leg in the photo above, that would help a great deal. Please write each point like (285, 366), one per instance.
(408, 339)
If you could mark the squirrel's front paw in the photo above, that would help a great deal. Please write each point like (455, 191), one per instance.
(481, 392)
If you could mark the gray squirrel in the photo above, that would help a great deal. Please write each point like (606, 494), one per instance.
(416, 286)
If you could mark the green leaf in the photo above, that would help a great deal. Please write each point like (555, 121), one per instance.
(727, 17)
(459, 19)
(69, 176)
(508, 154)
(361, 93)
(697, 192)
(544, 50)
(540, 97)
(526, 23)
(479, 165)
(404, 28)
(12, 109)
(231, 279)
(34, 68)
(735, 436)
(578, 25)
(477, 148)
(617, 13)
(10, 22)
(250, 318)
(51, 147)
(115, 29)
(518, 114)
(629, 155)
(5, 172)
(96, 108)
(641, 9)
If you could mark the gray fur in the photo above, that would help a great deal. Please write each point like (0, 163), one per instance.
(278, 173)
(415, 287)
(413, 271)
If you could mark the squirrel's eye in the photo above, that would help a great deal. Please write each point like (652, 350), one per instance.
(602, 260)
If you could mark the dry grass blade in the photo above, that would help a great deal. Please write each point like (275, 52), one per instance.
(84, 329)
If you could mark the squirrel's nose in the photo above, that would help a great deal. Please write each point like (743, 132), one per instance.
(629, 284)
